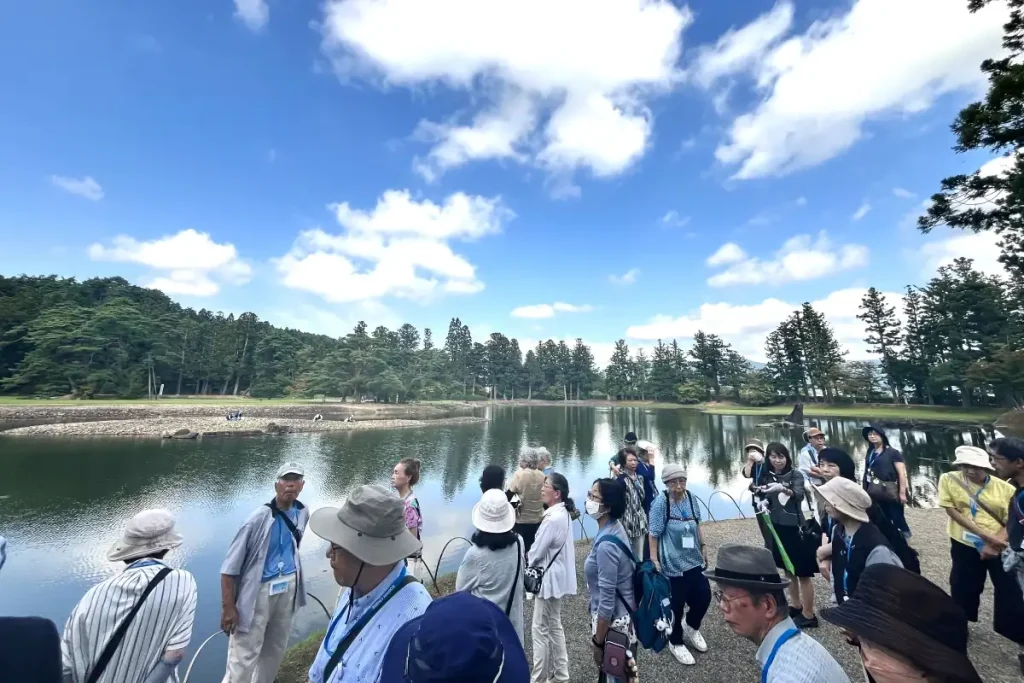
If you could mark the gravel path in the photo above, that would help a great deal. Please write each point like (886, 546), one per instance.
(730, 658)
(155, 427)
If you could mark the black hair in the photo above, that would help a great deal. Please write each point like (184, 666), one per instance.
(613, 496)
(492, 541)
(621, 456)
(779, 449)
(561, 484)
(779, 596)
(493, 477)
(837, 456)
(412, 469)
(1009, 447)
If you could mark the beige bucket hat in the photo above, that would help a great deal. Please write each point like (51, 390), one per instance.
(146, 533)
(370, 525)
(846, 497)
(973, 456)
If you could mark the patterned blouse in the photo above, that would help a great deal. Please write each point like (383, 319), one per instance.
(635, 521)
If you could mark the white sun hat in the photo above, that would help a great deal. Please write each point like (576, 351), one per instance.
(493, 514)
(973, 456)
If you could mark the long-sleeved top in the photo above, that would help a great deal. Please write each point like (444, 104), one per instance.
(806, 459)
(528, 483)
(674, 524)
(247, 556)
(488, 574)
(362, 661)
(801, 659)
(788, 514)
(646, 472)
(555, 533)
(609, 569)
(635, 519)
(163, 623)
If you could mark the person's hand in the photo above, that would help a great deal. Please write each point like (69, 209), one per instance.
(229, 619)
(997, 543)
(988, 552)
(774, 488)
(903, 497)
(598, 653)
(657, 565)
(825, 569)
(632, 676)
(704, 555)
(816, 472)
(822, 553)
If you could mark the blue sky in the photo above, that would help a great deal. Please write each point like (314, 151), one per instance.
(623, 168)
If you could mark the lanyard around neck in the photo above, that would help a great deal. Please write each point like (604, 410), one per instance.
(367, 614)
(974, 497)
(791, 633)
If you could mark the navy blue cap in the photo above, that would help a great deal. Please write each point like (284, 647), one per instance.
(630, 437)
(459, 639)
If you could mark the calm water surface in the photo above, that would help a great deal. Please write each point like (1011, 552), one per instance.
(62, 502)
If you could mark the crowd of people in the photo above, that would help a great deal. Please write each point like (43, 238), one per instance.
(135, 626)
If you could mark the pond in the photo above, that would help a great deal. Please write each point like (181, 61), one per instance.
(64, 501)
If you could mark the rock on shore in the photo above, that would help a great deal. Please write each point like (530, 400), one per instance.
(157, 427)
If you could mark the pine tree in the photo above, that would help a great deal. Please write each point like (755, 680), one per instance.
(617, 376)
(883, 335)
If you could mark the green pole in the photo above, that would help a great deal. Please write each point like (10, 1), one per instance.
(778, 544)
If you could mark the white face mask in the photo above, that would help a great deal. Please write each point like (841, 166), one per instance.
(593, 507)
(758, 457)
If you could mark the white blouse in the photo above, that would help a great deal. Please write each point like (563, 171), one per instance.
(555, 532)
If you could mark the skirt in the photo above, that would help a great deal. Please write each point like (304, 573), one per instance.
(805, 564)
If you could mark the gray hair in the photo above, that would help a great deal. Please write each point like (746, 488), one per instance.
(543, 455)
(529, 458)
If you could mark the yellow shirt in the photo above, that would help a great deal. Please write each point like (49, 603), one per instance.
(996, 495)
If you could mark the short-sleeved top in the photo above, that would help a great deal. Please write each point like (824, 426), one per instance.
(413, 516)
(671, 523)
(280, 549)
(528, 483)
(995, 494)
(883, 464)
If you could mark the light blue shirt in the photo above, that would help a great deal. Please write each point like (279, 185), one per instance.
(548, 471)
(671, 529)
(801, 659)
(362, 662)
(281, 550)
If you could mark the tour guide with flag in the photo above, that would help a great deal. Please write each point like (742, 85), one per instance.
(752, 597)
(369, 543)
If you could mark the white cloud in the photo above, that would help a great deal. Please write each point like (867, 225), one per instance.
(746, 326)
(538, 311)
(730, 252)
(879, 59)
(801, 201)
(982, 247)
(903, 193)
(738, 49)
(673, 219)
(801, 258)
(627, 278)
(83, 187)
(253, 13)
(861, 212)
(188, 262)
(399, 249)
(566, 93)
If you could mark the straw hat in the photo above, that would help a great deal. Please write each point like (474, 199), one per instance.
(370, 525)
(973, 456)
(146, 533)
(494, 514)
(846, 497)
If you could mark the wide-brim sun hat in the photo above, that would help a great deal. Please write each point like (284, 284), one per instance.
(493, 514)
(671, 471)
(460, 638)
(754, 443)
(973, 457)
(908, 614)
(146, 533)
(846, 497)
(746, 566)
(370, 526)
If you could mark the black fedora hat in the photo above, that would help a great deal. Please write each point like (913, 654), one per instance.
(911, 616)
(746, 566)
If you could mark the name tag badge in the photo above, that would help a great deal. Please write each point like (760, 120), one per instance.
(974, 539)
(688, 542)
(278, 587)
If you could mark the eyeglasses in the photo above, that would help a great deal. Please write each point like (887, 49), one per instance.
(723, 600)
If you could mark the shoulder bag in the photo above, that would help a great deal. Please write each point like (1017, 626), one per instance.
(533, 577)
(115, 639)
(277, 513)
(977, 499)
(515, 581)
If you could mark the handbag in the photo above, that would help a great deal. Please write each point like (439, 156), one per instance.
(810, 535)
(533, 577)
(616, 648)
(883, 491)
(515, 581)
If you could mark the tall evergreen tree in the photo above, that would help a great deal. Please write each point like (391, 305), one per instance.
(883, 335)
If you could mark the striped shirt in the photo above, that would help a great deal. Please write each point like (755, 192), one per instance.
(163, 623)
(671, 523)
(800, 659)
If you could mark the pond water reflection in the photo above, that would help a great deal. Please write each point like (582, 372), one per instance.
(64, 501)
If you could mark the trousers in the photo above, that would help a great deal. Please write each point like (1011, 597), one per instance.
(967, 582)
(255, 657)
(692, 590)
(550, 658)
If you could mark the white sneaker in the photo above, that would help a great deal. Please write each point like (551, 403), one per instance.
(682, 655)
(694, 639)
(529, 596)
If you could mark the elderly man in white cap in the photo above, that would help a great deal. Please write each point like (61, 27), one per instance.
(133, 627)
(977, 504)
(262, 583)
(369, 543)
(855, 543)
